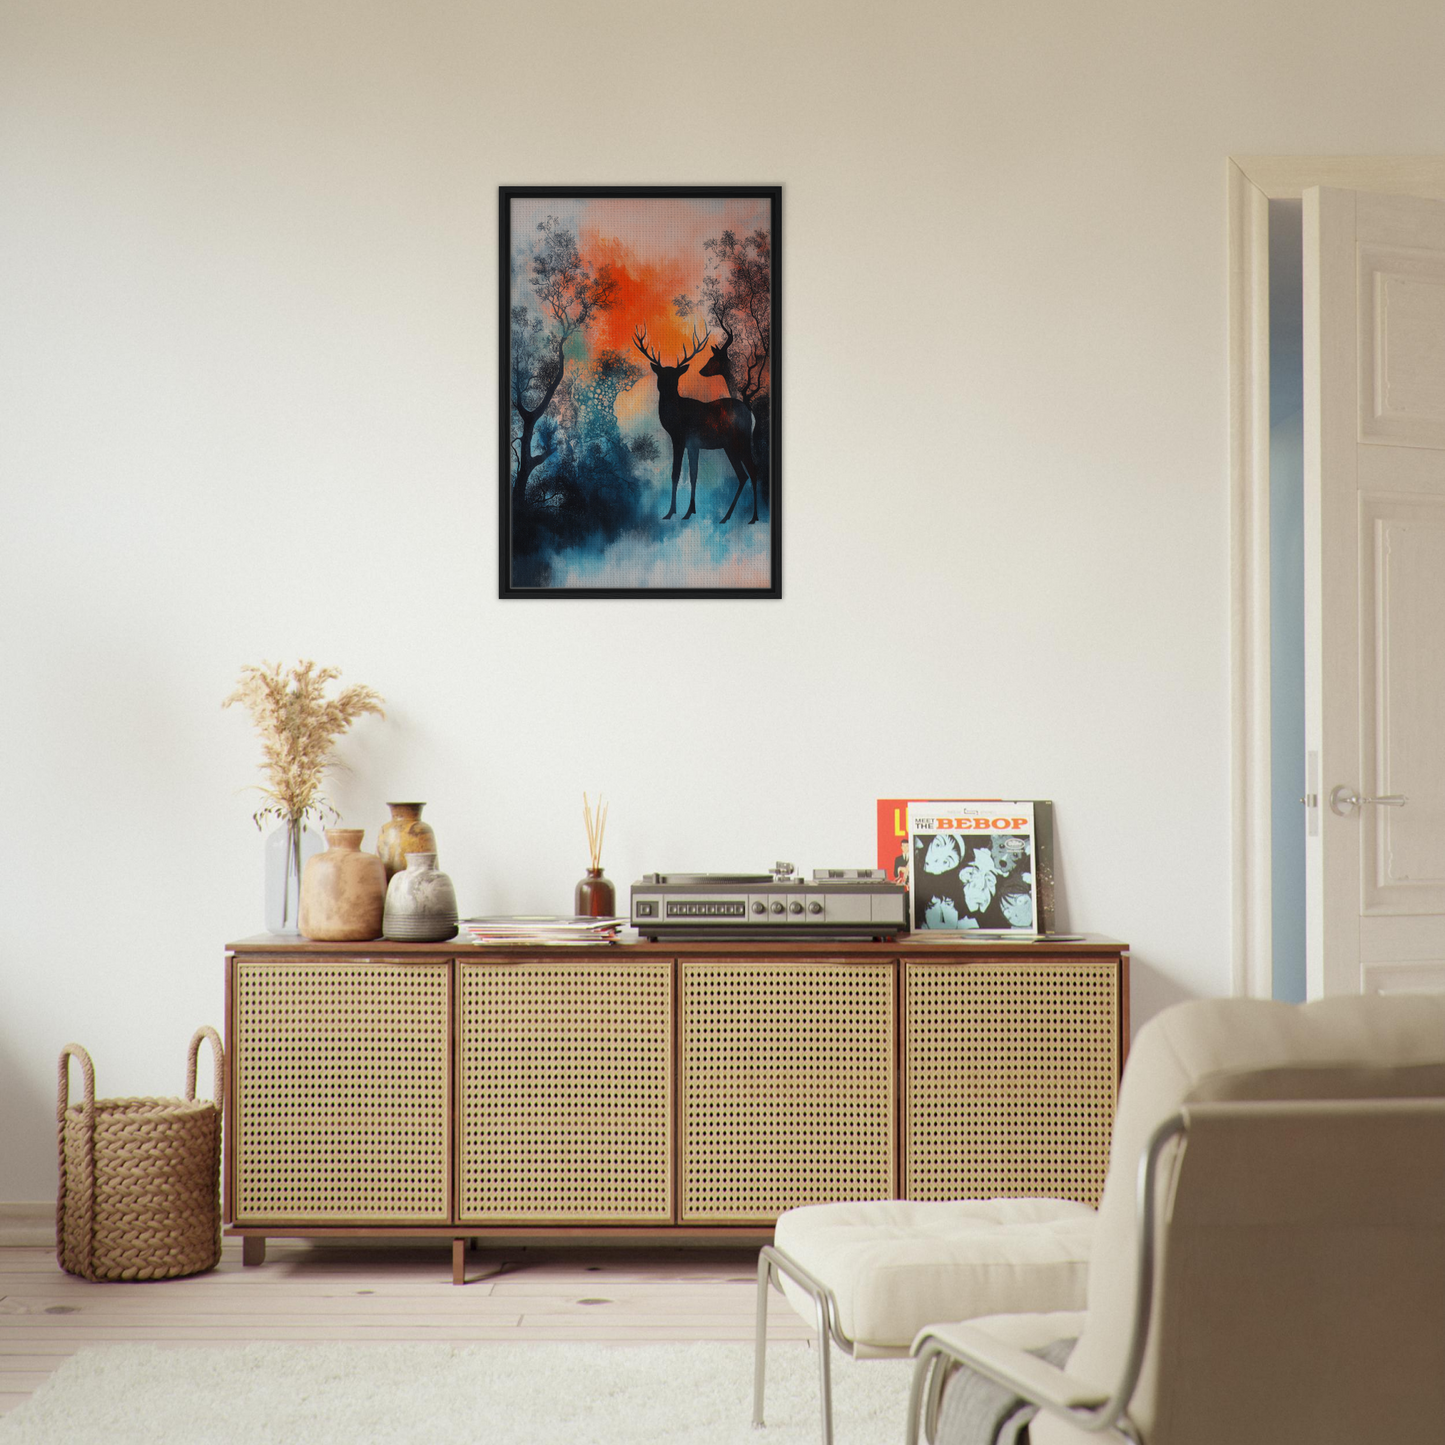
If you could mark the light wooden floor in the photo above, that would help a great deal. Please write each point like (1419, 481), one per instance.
(381, 1292)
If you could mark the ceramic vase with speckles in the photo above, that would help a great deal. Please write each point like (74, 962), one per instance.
(421, 904)
(343, 890)
(403, 833)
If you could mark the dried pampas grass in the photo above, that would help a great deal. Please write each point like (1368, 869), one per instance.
(298, 724)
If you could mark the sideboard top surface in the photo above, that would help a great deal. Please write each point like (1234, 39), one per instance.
(911, 946)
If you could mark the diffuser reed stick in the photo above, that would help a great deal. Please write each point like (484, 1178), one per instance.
(596, 826)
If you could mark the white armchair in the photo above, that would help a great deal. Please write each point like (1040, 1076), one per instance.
(1269, 1259)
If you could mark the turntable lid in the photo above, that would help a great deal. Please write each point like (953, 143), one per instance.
(703, 879)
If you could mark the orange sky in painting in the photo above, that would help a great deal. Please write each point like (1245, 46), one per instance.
(644, 296)
(655, 248)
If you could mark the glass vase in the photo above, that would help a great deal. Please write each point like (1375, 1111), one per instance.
(287, 849)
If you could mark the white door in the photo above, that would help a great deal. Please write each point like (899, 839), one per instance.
(1374, 423)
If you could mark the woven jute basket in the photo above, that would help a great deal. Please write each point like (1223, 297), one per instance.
(139, 1178)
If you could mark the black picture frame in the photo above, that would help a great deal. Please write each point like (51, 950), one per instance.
(590, 498)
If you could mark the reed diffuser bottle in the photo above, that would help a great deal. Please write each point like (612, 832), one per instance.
(595, 896)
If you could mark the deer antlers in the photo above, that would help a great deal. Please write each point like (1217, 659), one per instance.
(639, 340)
(698, 342)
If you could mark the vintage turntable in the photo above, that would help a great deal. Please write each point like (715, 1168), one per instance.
(834, 903)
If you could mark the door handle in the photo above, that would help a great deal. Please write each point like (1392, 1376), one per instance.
(1344, 800)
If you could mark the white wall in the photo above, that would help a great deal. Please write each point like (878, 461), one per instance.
(248, 290)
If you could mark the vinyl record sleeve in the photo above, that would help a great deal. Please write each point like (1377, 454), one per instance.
(895, 858)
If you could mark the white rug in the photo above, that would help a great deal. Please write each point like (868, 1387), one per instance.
(487, 1394)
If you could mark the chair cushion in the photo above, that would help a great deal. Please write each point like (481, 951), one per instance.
(896, 1265)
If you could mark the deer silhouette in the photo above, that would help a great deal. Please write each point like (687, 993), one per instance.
(693, 425)
(720, 364)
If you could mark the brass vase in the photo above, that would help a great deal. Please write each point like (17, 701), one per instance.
(403, 833)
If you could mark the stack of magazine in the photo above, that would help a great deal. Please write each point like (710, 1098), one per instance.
(533, 928)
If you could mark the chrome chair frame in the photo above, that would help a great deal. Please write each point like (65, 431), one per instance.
(1108, 1418)
(771, 1264)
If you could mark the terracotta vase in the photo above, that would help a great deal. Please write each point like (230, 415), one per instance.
(421, 904)
(403, 833)
(595, 897)
(343, 890)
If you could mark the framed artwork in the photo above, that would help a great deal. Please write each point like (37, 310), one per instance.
(639, 391)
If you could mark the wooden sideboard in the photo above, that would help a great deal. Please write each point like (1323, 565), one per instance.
(657, 1091)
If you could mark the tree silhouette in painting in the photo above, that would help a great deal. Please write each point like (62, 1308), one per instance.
(571, 297)
(644, 448)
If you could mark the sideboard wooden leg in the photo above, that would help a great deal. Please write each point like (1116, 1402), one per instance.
(253, 1249)
(459, 1261)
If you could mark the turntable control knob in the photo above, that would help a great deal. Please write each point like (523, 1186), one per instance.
(759, 906)
(777, 908)
(795, 907)
(815, 907)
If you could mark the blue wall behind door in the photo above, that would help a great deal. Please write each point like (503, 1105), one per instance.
(1286, 596)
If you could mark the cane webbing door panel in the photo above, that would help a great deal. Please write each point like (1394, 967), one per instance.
(1010, 1076)
(342, 1091)
(566, 1091)
(787, 1079)
(639, 1089)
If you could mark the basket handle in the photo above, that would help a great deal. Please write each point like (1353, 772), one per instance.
(218, 1055)
(84, 1186)
(87, 1070)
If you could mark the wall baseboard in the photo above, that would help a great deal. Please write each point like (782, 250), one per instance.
(28, 1223)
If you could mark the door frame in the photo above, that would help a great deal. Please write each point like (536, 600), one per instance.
(1254, 181)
